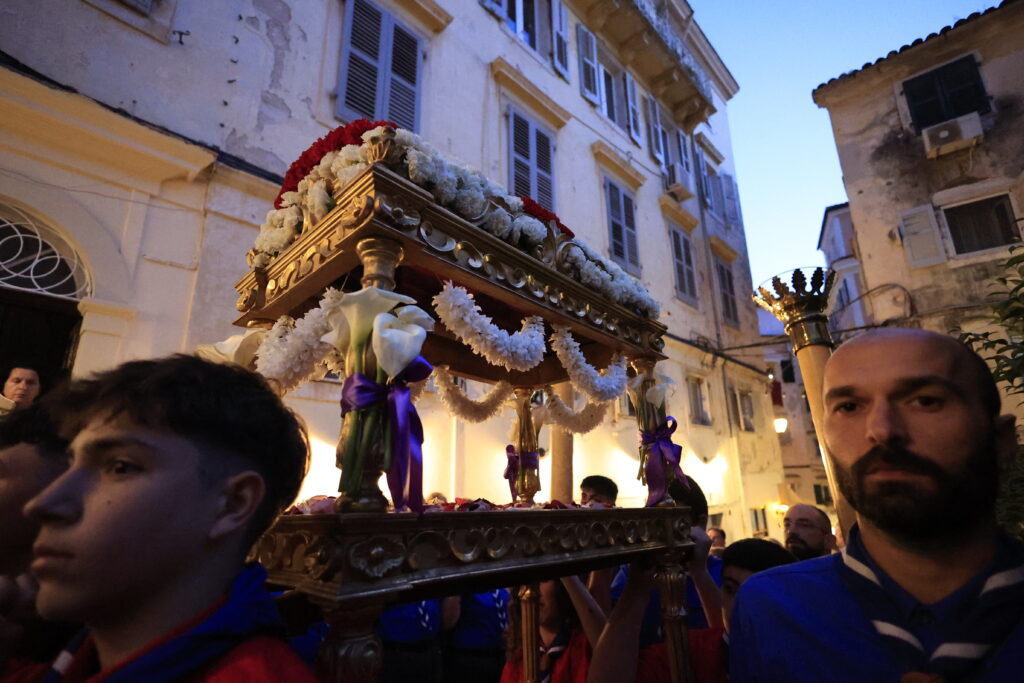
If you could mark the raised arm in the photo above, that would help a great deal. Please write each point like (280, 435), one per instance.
(615, 656)
(590, 613)
(710, 597)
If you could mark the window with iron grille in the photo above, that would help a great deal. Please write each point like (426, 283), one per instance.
(380, 67)
(982, 225)
(945, 93)
(532, 156)
(622, 227)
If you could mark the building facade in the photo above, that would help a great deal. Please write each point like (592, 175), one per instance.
(931, 144)
(143, 151)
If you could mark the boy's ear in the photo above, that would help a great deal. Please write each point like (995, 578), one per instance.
(240, 497)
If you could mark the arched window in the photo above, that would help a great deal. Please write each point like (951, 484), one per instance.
(35, 258)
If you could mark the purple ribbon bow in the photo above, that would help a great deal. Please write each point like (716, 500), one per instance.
(662, 458)
(405, 476)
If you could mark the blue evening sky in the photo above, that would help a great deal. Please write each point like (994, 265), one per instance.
(787, 168)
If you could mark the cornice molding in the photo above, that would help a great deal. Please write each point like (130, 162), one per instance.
(428, 13)
(513, 80)
(675, 211)
(617, 164)
(722, 250)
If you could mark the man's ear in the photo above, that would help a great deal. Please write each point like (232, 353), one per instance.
(1006, 442)
(240, 497)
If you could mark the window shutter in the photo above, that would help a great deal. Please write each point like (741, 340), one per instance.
(684, 152)
(732, 200)
(702, 173)
(618, 238)
(920, 234)
(718, 195)
(496, 7)
(586, 44)
(403, 82)
(560, 38)
(544, 169)
(686, 281)
(632, 251)
(522, 158)
(360, 78)
(632, 107)
(654, 130)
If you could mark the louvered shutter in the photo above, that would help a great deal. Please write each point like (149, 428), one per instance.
(618, 238)
(560, 38)
(359, 92)
(654, 131)
(683, 258)
(544, 169)
(684, 151)
(732, 200)
(586, 44)
(921, 241)
(522, 157)
(632, 252)
(632, 107)
(717, 193)
(496, 7)
(403, 84)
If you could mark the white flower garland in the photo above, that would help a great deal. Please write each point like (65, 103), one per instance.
(292, 351)
(522, 350)
(585, 420)
(462, 406)
(603, 386)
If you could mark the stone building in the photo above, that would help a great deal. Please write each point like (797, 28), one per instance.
(143, 141)
(931, 144)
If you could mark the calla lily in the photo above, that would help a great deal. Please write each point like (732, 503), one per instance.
(238, 348)
(656, 394)
(414, 315)
(396, 344)
(352, 319)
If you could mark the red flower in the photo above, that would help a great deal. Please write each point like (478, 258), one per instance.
(543, 215)
(349, 134)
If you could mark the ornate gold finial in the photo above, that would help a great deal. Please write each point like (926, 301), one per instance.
(383, 149)
(800, 309)
(380, 257)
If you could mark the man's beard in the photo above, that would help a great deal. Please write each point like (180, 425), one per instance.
(801, 550)
(955, 506)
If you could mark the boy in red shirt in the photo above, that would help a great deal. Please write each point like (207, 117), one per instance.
(176, 466)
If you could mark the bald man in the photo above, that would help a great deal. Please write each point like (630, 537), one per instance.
(808, 532)
(928, 588)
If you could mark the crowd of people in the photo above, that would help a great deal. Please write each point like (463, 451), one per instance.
(129, 501)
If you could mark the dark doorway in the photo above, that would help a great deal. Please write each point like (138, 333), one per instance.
(39, 331)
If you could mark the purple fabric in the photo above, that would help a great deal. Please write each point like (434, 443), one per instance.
(405, 476)
(662, 459)
(511, 469)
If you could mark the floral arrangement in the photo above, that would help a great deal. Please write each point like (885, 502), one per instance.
(522, 350)
(600, 386)
(341, 155)
(586, 419)
(462, 406)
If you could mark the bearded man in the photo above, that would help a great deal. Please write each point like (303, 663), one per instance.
(928, 588)
(808, 532)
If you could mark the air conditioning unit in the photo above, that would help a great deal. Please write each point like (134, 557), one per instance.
(949, 136)
(675, 178)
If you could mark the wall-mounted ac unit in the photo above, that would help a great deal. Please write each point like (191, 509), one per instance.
(675, 180)
(949, 136)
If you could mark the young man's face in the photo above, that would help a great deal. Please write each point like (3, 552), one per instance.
(588, 496)
(915, 452)
(22, 386)
(732, 578)
(25, 470)
(130, 516)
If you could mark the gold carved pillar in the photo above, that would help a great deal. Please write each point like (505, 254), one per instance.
(802, 313)
(561, 451)
(528, 478)
(529, 606)
(671, 581)
(351, 652)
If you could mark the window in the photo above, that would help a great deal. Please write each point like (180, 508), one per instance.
(822, 494)
(682, 257)
(617, 94)
(727, 289)
(586, 44)
(696, 387)
(622, 227)
(982, 225)
(945, 93)
(668, 145)
(541, 24)
(532, 160)
(788, 371)
(758, 522)
(521, 17)
(560, 38)
(380, 68)
(140, 6)
(746, 400)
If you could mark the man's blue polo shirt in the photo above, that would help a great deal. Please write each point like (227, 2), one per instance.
(798, 623)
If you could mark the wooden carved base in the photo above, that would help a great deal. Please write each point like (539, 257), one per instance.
(351, 653)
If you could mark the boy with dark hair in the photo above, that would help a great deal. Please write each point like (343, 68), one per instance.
(743, 559)
(177, 466)
(598, 489)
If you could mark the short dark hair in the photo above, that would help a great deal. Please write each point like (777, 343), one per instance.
(601, 485)
(719, 530)
(221, 406)
(33, 425)
(755, 555)
(691, 496)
